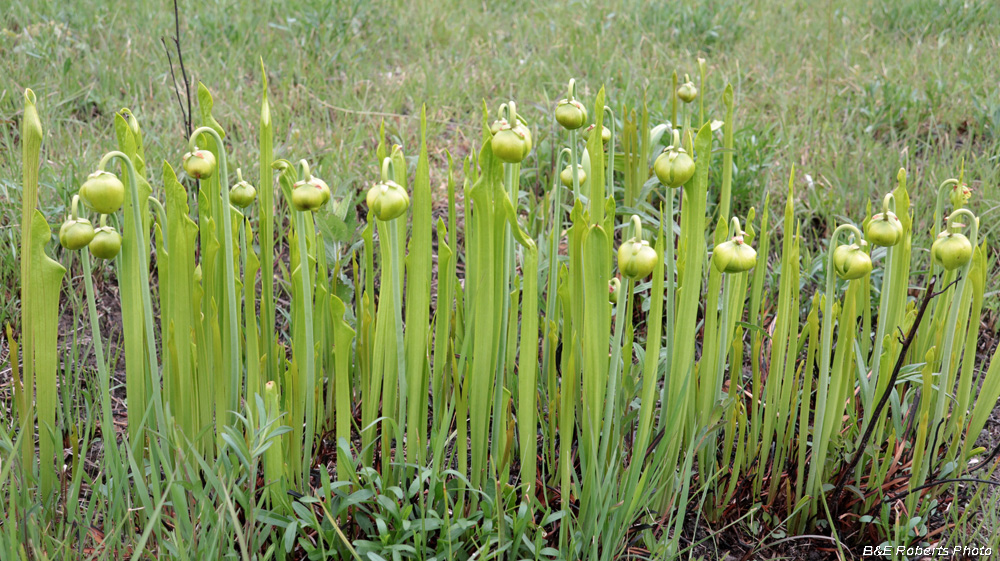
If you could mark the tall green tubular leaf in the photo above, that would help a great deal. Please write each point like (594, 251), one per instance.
(179, 319)
(342, 337)
(44, 283)
(250, 267)
(693, 243)
(31, 145)
(137, 377)
(418, 296)
(484, 241)
(596, 330)
(527, 376)
(651, 360)
(267, 212)
(725, 194)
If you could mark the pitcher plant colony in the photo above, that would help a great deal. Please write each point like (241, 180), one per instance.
(539, 373)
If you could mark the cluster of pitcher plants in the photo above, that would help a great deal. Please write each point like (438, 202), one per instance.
(598, 361)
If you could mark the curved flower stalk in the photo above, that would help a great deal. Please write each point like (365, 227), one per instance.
(885, 230)
(195, 163)
(849, 264)
(954, 254)
(388, 224)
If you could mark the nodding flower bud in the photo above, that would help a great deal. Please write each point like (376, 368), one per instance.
(512, 144)
(388, 200)
(850, 262)
(310, 194)
(566, 175)
(960, 195)
(242, 194)
(106, 243)
(199, 164)
(103, 192)
(605, 133)
(614, 290)
(884, 229)
(76, 233)
(571, 114)
(687, 92)
(951, 249)
(674, 167)
(734, 256)
(636, 259)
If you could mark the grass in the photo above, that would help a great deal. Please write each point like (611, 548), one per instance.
(847, 92)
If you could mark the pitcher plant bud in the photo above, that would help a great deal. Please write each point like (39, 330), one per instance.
(687, 92)
(674, 167)
(734, 255)
(106, 242)
(199, 164)
(103, 192)
(571, 114)
(388, 200)
(951, 249)
(242, 194)
(850, 262)
(566, 175)
(636, 259)
(884, 229)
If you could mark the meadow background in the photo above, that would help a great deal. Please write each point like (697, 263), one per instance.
(847, 91)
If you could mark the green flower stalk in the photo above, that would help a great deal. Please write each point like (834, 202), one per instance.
(313, 186)
(885, 230)
(267, 210)
(850, 264)
(143, 262)
(200, 164)
(390, 240)
(954, 252)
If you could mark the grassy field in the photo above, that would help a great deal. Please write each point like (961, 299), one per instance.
(847, 92)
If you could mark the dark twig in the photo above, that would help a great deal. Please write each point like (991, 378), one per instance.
(908, 492)
(176, 39)
(907, 341)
